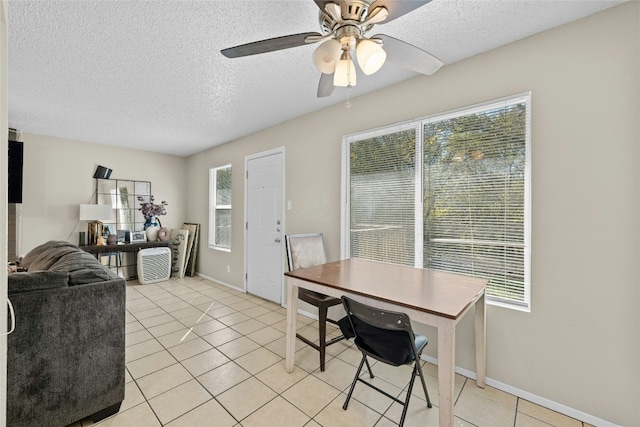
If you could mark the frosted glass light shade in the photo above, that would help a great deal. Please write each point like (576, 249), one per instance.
(326, 56)
(371, 56)
(345, 74)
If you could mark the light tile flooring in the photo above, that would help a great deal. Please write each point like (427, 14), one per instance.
(202, 354)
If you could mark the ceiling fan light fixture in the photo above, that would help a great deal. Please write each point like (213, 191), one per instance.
(345, 74)
(326, 56)
(370, 55)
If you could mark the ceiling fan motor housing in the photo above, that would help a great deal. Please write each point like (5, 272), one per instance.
(351, 10)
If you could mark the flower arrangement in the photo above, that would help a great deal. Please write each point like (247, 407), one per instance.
(150, 210)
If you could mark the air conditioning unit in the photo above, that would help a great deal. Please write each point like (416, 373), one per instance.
(154, 265)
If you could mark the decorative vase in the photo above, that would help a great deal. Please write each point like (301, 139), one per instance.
(163, 234)
(151, 227)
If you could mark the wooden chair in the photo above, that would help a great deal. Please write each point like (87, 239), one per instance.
(307, 250)
(387, 337)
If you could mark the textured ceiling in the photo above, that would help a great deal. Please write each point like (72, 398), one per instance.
(149, 74)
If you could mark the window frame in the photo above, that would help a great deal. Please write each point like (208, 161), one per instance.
(418, 124)
(214, 208)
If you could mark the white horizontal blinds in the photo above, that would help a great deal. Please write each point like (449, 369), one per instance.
(382, 203)
(474, 189)
(449, 192)
(223, 207)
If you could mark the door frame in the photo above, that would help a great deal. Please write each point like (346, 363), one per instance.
(279, 150)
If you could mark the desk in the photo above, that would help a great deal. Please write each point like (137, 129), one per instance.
(127, 268)
(431, 297)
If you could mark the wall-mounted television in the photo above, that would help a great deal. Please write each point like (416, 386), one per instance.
(16, 151)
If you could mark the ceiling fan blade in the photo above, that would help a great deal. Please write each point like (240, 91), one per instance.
(408, 56)
(325, 87)
(397, 8)
(268, 45)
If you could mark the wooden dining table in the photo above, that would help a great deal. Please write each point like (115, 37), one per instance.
(430, 297)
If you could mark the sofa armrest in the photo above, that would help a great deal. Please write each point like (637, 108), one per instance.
(66, 357)
(36, 281)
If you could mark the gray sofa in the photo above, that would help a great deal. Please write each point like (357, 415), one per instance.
(66, 357)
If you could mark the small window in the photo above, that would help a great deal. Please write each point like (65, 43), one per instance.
(220, 208)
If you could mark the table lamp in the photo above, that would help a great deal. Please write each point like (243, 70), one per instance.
(95, 214)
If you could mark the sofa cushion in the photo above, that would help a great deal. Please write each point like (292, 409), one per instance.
(37, 281)
(82, 268)
(45, 255)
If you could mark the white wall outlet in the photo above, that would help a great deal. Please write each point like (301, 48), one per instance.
(228, 269)
(288, 205)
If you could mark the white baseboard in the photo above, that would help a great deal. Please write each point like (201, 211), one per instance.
(304, 313)
(538, 400)
(307, 314)
(220, 282)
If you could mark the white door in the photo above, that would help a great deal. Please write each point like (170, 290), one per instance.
(264, 225)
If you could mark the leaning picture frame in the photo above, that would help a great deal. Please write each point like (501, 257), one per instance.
(138, 236)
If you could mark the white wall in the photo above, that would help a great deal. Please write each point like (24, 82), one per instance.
(58, 177)
(580, 345)
(4, 147)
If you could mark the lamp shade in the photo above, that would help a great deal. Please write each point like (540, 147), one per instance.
(326, 56)
(345, 74)
(370, 55)
(96, 212)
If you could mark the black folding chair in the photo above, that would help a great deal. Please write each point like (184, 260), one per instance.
(387, 337)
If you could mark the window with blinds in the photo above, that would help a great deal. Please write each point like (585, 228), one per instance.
(448, 192)
(382, 180)
(220, 208)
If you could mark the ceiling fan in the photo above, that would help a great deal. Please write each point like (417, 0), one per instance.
(343, 25)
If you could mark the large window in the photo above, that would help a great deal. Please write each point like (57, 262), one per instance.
(448, 192)
(220, 208)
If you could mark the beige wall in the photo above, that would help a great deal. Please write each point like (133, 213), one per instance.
(579, 347)
(58, 177)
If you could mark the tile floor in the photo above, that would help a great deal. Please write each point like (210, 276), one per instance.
(202, 354)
